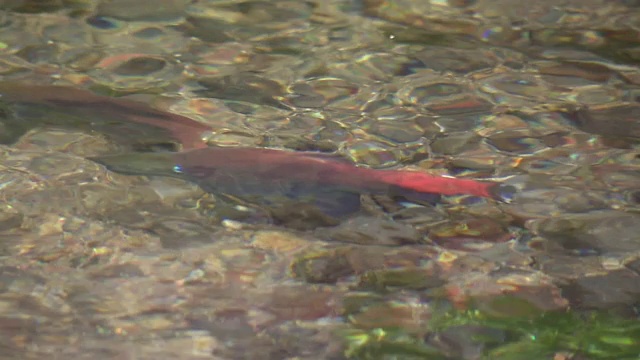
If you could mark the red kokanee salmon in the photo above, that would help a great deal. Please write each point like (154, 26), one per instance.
(216, 163)
(261, 172)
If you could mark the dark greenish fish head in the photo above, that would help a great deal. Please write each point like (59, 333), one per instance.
(161, 164)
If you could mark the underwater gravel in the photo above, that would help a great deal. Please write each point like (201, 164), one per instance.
(543, 96)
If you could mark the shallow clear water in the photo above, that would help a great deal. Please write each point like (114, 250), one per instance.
(542, 96)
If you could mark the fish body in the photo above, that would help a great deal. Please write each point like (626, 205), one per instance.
(217, 163)
(330, 182)
(24, 107)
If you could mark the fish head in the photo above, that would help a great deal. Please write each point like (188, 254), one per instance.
(161, 164)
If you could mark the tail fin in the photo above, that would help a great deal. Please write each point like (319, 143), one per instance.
(426, 183)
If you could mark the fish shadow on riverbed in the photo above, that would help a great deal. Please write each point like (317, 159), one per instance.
(133, 125)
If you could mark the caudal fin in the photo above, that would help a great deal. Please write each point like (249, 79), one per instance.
(426, 183)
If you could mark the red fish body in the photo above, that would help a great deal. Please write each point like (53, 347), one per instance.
(269, 176)
(214, 163)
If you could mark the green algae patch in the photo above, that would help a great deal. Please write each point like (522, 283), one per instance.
(454, 334)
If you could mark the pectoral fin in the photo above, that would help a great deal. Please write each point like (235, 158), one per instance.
(309, 209)
(331, 201)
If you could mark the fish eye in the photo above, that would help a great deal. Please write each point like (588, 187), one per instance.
(177, 169)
